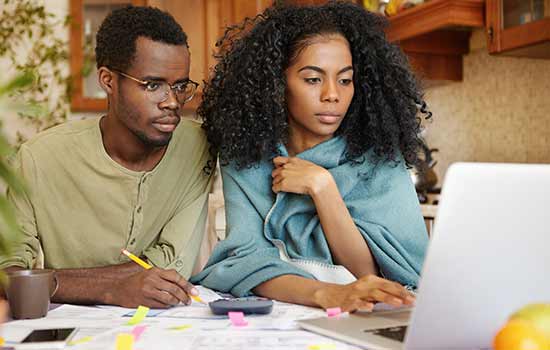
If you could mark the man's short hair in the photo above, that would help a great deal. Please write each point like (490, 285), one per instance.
(117, 35)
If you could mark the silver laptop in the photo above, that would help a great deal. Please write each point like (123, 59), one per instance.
(489, 256)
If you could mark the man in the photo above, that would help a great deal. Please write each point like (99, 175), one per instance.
(128, 180)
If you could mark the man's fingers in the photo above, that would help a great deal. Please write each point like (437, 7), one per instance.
(151, 291)
(164, 297)
(175, 277)
(173, 289)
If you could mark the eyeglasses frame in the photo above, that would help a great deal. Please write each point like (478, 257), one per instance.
(171, 87)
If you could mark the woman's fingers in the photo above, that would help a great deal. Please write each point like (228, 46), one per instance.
(279, 161)
(383, 297)
(379, 289)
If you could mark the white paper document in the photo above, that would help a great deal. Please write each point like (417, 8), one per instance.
(192, 327)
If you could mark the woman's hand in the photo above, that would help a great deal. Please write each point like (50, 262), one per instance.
(362, 294)
(300, 176)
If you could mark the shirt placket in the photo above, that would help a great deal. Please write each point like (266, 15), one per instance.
(136, 227)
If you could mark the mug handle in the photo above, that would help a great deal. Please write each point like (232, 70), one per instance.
(56, 285)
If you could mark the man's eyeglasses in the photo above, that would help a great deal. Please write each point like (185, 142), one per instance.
(158, 91)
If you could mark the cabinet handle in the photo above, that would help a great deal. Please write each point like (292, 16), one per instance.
(490, 33)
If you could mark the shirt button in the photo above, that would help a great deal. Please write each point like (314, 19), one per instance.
(139, 209)
(179, 263)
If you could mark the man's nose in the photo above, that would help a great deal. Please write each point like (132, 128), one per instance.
(171, 101)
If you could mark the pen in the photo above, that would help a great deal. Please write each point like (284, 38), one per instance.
(146, 266)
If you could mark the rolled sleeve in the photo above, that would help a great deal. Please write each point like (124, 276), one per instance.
(179, 242)
(180, 239)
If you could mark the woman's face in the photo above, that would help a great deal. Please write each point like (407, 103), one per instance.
(319, 88)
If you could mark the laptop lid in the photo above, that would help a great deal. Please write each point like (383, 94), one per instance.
(489, 254)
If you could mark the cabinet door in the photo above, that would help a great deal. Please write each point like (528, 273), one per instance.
(519, 27)
(87, 15)
(204, 22)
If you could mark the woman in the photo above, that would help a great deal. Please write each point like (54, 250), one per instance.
(314, 115)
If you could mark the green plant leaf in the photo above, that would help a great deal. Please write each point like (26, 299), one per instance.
(21, 81)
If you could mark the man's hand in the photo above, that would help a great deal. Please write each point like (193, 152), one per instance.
(362, 294)
(299, 176)
(155, 288)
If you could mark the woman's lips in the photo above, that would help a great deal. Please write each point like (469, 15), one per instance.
(328, 118)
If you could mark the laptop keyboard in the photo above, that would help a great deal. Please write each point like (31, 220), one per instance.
(395, 333)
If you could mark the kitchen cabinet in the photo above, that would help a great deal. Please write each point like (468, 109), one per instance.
(435, 35)
(86, 17)
(519, 27)
(204, 22)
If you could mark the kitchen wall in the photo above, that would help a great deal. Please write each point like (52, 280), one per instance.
(499, 113)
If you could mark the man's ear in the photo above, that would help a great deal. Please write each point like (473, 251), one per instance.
(106, 79)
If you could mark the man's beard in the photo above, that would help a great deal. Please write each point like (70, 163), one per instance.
(152, 142)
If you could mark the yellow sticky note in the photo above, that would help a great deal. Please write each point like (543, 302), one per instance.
(80, 341)
(139, 315)
(322, 347)
(180, 328)
(124, 341)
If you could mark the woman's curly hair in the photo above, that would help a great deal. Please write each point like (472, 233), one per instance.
(244, 107)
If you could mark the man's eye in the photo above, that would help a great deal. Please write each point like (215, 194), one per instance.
(181, 87)
(152, 86)
(312, 80)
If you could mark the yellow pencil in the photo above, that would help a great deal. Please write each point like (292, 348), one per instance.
(146, 266)
(137, 259)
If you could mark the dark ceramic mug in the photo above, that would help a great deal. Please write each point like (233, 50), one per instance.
(29, 292)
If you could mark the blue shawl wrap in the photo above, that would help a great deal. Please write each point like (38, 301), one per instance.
(379, 195)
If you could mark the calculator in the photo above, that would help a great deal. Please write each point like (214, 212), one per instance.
(248, 305)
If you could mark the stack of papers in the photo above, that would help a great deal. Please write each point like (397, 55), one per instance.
(180, 327)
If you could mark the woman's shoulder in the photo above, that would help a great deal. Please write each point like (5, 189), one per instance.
(257, 175)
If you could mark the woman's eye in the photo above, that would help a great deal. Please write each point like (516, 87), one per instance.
(312, 80)
(345, 81)
(152, 86)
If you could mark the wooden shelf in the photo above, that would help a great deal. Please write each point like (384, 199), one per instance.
(436, 34)
(435, 15)
(527, 40)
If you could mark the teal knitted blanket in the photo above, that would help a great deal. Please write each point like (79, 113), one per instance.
(379, 195)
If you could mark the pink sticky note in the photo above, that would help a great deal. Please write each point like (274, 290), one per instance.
(237, 319)
(334, 311)
(137, 331)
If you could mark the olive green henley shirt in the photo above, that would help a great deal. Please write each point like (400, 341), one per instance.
(82, 207)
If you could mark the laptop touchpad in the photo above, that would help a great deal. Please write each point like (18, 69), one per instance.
(395, 333)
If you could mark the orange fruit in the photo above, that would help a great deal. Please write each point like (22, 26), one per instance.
(520, 335)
